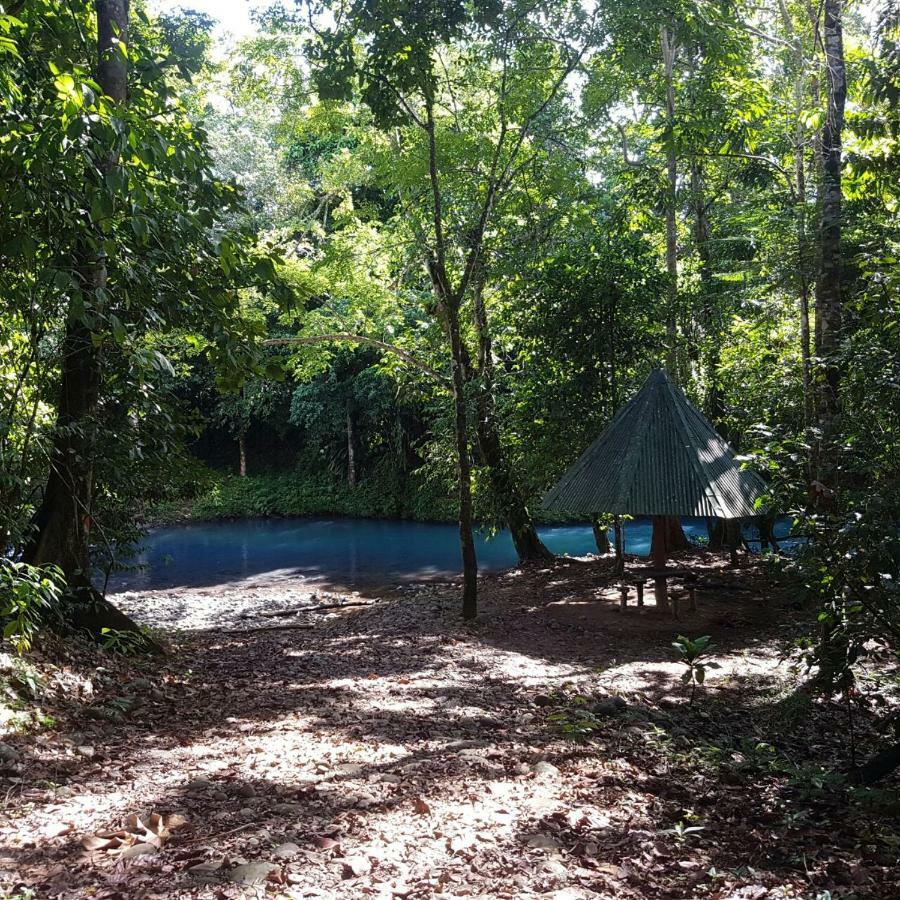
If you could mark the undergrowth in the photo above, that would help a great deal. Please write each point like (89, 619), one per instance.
(382, 494)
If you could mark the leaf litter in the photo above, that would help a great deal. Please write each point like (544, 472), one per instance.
(392, 751)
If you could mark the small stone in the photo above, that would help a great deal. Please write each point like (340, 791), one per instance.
(544, 769)
(137, 850)
(553, 868)
(199, 784)
(286, 809)
(8, 753)
(245, 790)
(246, 813)
(387, 778)
(356, 866)
(207, 867)
(542, 842)
(324, 842)
(608, 706)
(286, 850)
(251, 873)
(86, 751)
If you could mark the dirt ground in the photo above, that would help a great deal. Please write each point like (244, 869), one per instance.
(389, 750)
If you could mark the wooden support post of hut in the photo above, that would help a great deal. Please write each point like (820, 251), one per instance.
(659, 457)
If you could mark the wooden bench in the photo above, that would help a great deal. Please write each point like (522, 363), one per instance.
(639, 577)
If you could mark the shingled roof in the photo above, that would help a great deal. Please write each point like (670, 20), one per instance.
(658, 457)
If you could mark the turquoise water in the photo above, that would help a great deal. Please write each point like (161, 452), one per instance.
(346, 551)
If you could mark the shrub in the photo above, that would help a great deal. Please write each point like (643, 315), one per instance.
(384, 493)
(29, 595)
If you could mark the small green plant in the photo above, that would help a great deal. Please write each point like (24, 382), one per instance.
(125, 643)
(691, 652)
(23, 679)
(575, 722)
(683, 831)
(29, 595)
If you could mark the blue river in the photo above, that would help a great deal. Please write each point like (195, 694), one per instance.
(342, 551)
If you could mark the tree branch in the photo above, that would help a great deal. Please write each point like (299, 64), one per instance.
(624, 139)
(499, 183)
(756, 157)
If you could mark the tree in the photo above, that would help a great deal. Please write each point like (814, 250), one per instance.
(112, 241)
(522, 57)
(829, 307)
(65, 516)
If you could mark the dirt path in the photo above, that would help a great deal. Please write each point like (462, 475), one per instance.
(388, 751)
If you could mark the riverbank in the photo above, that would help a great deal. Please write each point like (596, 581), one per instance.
(246, 603)
(215, 496)
(388, 750)
(210, 495)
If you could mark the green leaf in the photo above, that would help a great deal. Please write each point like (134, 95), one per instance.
(65, 85)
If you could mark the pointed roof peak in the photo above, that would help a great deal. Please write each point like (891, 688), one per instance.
(658, 456)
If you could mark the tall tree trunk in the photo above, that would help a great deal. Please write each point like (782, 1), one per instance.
(712, 354)
(65, 516)
(242, 453)
(668, 55)
(505, 487)
(828, 287)
(464, 468)
(815, 96)
(802, 279)
(448, 305)
(351, 448)
(833, 647)
(614, 398)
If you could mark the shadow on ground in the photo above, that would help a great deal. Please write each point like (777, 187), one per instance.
(393, 750)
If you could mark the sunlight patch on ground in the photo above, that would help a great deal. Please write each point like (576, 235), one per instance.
(665, 677)
(520, 669)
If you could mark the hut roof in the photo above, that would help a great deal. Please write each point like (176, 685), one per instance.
(659, 456)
